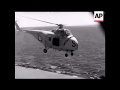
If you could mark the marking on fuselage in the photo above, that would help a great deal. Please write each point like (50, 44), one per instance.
(40, 38)
(73, 43)
(67, 40)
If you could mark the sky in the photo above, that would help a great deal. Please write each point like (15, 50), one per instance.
(67, 18)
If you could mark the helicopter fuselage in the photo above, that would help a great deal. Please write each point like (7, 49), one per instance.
(61, 40)
(51, 40)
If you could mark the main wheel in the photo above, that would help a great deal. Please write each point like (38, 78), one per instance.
(72, 54)
(66, 55)
(45, 50)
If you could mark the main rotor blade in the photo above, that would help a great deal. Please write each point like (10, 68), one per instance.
(39, 20)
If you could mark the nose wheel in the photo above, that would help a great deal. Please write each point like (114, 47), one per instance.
(45, 50)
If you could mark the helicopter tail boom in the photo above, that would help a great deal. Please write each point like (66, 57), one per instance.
(17, 26)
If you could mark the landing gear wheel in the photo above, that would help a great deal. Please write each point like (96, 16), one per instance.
(45, 50)
(72, 54)
(66, 55)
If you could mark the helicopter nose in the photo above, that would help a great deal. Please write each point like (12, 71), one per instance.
(74, 43)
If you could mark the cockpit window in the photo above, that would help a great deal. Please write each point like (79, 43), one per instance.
(58, 31)
(66, 32)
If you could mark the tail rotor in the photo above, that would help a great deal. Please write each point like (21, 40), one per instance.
(17, 27)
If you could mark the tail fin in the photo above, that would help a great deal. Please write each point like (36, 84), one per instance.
(17, 26)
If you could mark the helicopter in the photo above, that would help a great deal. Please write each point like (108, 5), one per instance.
(57, 39)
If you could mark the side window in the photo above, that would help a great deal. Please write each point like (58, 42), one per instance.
(49, 38)
(63, 32)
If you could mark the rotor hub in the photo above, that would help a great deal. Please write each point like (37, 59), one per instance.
(60, 25)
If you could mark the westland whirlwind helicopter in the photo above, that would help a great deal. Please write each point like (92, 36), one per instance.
(59, 39)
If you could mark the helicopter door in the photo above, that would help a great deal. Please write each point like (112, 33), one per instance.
(55, 41)
(48, 41)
